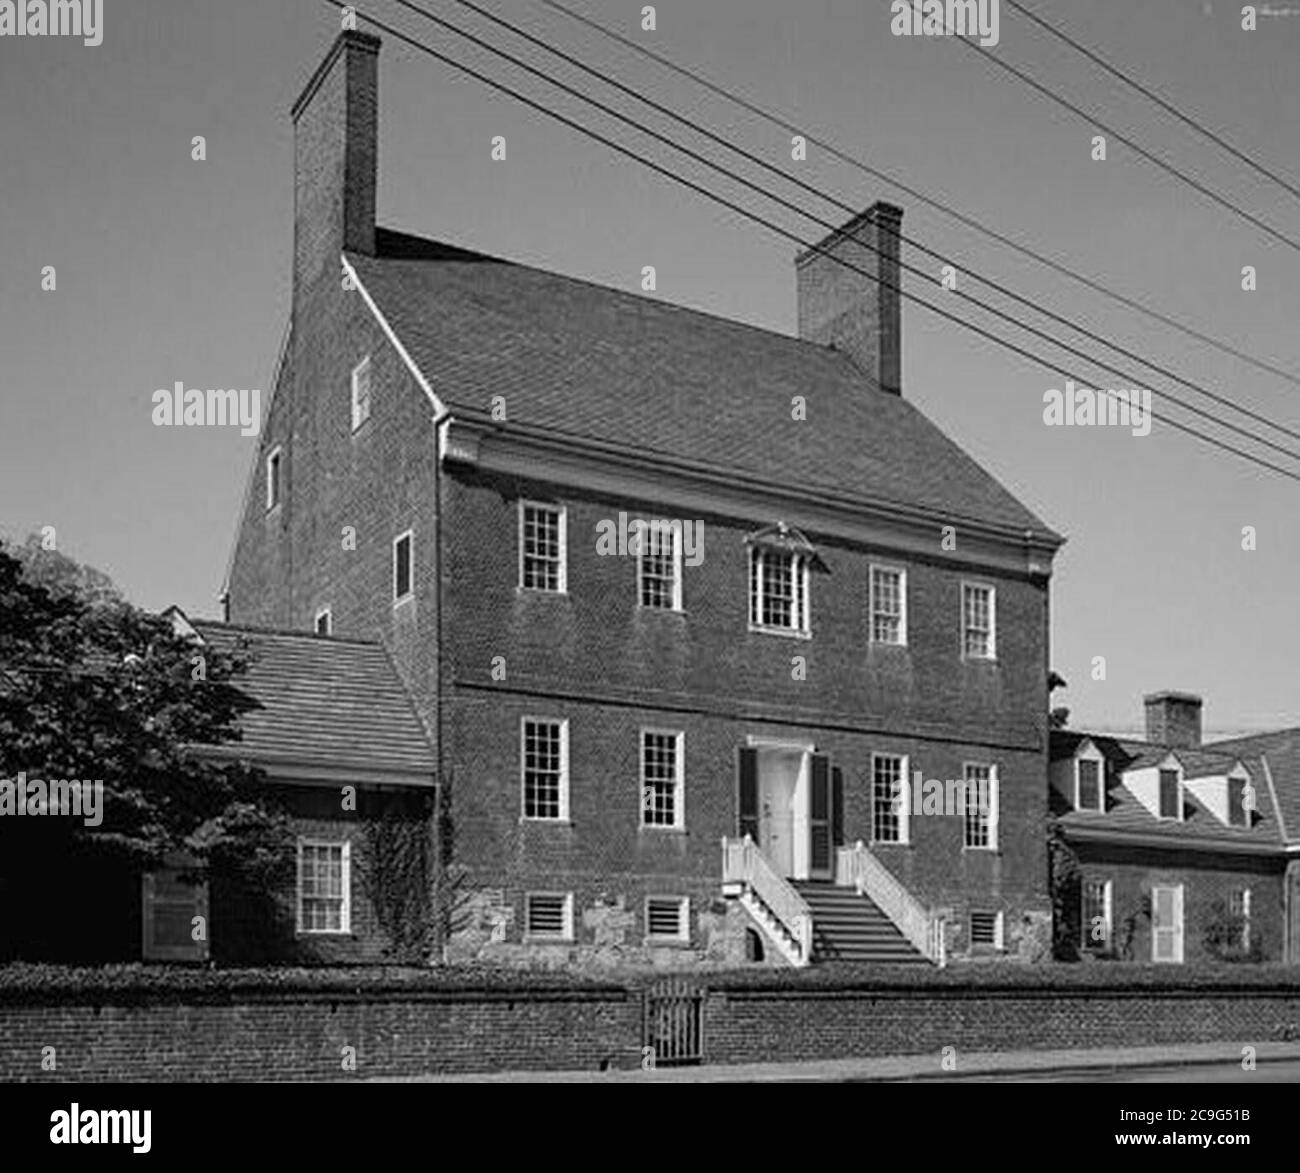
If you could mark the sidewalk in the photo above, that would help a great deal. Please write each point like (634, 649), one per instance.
(906, 1068)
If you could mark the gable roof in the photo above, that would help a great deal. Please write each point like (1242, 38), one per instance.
(327, 707)
(604, 365)
(1125, 818)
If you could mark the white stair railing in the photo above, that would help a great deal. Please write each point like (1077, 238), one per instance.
(856, 867)
(746, 868)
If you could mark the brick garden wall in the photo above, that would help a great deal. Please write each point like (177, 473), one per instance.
(267, 1033)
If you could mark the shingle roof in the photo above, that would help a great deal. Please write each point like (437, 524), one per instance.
(324, 701)
(1282, 749)
(1124, 814)
(618, 368)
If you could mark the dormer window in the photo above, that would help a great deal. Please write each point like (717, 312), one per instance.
(1170, 795)
(1238, 815)
(1089, 794)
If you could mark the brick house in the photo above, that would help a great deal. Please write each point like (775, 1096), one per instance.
(1182, 849)
(687, 744)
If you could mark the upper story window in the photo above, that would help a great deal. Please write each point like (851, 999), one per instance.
(662, 779)
(541, 547)
(1170, 795)
(659, 567)
(780, 559)
(1089, 796)
(403, 567)
(361, 393)
(978, 621)
(1238, 814)
(545, 762)
(274, 461)
(888, 605)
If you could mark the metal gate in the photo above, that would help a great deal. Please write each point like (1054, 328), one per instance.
(673, 1022)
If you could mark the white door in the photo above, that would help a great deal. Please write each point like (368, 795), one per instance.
(778, 777)
(1167, 923)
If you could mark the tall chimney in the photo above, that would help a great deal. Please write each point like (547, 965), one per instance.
(855, 306)
(336, 141)
(1173, 719)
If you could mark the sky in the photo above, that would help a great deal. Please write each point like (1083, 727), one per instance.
(168, 268)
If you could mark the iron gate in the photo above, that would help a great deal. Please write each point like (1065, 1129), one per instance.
(673, 1022)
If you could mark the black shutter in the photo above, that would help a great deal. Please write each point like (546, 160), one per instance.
(820, 816)
(837, 806)
(747, 791)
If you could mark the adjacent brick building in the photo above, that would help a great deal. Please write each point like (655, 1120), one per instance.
(700, 748)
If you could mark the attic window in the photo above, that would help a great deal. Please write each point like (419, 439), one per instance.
(1169, 795)
(1238, 816)
(273, 462)
(780, 560)
(1089, 795)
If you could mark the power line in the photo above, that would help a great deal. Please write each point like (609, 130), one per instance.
(921, 197)
(1147, 92)
(573, 60)
(1041, 334)
(770, 225)
(1150, 156)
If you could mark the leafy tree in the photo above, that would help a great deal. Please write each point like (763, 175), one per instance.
(92, 688)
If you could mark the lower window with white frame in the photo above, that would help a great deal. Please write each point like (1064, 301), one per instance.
(1096, 916)
(548, 916)
(324, 886)
(668, 920)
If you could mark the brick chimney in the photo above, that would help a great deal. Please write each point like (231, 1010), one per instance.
(855, 307)
(1174, 719)
(336, 148)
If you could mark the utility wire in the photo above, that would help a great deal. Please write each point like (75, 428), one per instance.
(1151, 95)
(770, 225)
(763, 163)
(830, 227)
(960, 217)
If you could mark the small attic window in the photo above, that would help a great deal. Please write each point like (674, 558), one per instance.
(1238, 815)
(361, 393)
(1089, 793)
(273, 462)
(1170, 795)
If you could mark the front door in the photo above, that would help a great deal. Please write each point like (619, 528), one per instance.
(778, 787)
(791, 804)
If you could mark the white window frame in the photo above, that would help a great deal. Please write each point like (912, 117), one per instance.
(362, 368)
(1244, 779)
(1108, 911)
(905, 813)
(675, 535)
(563, 723)
(1178, 928)
(1100, 763)
(976, 584)
(274, 484)
(566, 934)
(406, 535)
(901, 571)
(801, 625)
(683, 934)
(562, 571)
(327, 615)
(1245, 914)
(679, 788)
(345, 881)
(994, 805)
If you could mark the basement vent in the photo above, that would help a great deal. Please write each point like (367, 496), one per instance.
(550, 914)
(667, 918)
(986, 928)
